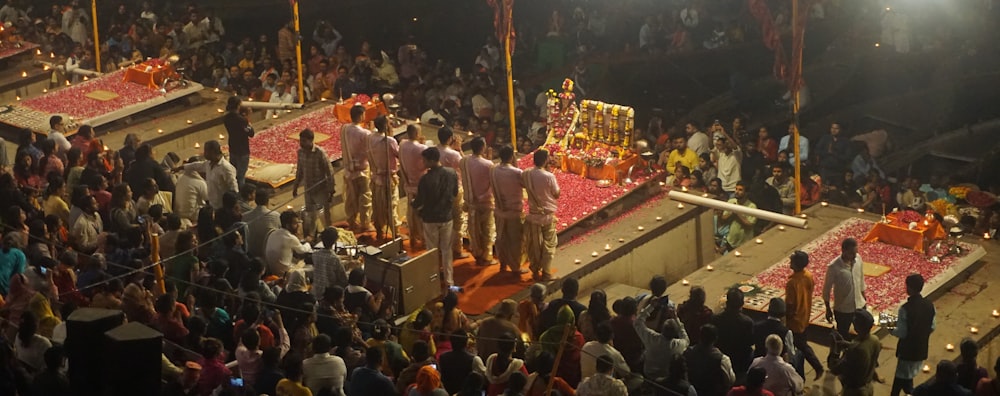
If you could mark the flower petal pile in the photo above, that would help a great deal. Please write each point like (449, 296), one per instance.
(884, 292)
(275, 144)
(73, 100)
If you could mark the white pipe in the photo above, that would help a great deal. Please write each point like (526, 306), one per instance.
(270, 106)
(723, 205)
(73, 70)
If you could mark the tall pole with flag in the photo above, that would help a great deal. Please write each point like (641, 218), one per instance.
(298, 49)
(795, 82)
(503, 23)
(97, 38)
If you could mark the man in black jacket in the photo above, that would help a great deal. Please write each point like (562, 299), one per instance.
(914, 327)
(240, 131)
(458, 362)
(737, 339)
(436, 193)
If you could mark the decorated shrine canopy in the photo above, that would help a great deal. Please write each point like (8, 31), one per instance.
(607, 124)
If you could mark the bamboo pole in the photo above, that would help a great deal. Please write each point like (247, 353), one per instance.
(298, 50)
(743, 210)
(508, 20)
(154, 247)
(97, 38)
(555, 365)
(796, 76)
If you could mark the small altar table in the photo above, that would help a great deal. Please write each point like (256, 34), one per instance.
(151, 79)
(372, 111)
(607, 172)
(896, 233)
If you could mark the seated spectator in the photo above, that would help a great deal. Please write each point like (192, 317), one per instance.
(596, 313)
(539, 380)
(451, 320)
(270, 374)
(394, 357)
(969, 371)
(52, 381)
(283, 245)
(492, 328)
(421, 357)
(428, 383)
(945, 382)
(754, 385)
(529, 310)
(782, 380)
(292, 384)
(455, 363)
(322, 370)
(168, 319)
(368, 380)
(601, 347)
(603, 381)
(29, 346)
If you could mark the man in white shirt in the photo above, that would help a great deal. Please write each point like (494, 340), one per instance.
(602, 346)
(508, 195)
(479, 202)
(782, 380)
(57, 130)
(283, 244)
(323, 370)
(697, 140)
(729, 165)
(357, 193)
(412, 165)
(432, 116)
(603, 383)
(846, 276)
(786, 144)
(190, 192)
(450, 158)
(220, 175)
(541, 240)
(383, 156)
(261, 221)
(280, 95)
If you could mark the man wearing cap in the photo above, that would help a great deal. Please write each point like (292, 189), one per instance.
(357, 193)
(913, 328)
(855, 366)
(846, 278)
(412, 166)
(798, 308)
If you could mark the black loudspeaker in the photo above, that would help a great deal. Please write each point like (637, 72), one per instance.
(86, 348)
(133, 360)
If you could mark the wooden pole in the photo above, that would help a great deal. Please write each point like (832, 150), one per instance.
(298, 50)
(97, 38)
(796, 76)
(154, 255)
(555, 365)
(508, 19)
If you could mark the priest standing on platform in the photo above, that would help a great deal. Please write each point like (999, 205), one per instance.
(240, 131)
(451, 157)
(479, 202)
(383, 153)
(412, 165)
(541, 240)
(357, 193)
(508, 193)
(436, 194)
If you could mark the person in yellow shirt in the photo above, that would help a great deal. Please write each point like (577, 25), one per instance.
(798, 307)
(292, 384)
(682, 154)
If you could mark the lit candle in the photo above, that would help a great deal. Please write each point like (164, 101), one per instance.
(759, 241)
(160, 131)
(781, 228)
(45, 90)
(683, 188)
(250, 99)
(704, 195)
(24, 74)
(986, 235)
(221, 136)
(17, 98)
(662, 184)
(996, 314)
(861, 210)
(974, 330)
(288, 206)
(803, 215)
(680, 206)
(641, 228)
(926, 223)
(197, 145)
(565, 224)
(949, 347)
(220, 110)
(577, 261)
(737, 253)
(52, 55)
(622, 240)
(607, 247)
(824, 204)
(574, 218)
(38, 52)
(45, 67)
(710, 267)
(190, 122)
(876, 45)
(685, 282)
(927, 368)
(85, 78)
(593, 254)
(215, 90)
(274, 116)
(322, 99)
(658, 218)
(593, 207)
(604, 202)
(67, 83)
